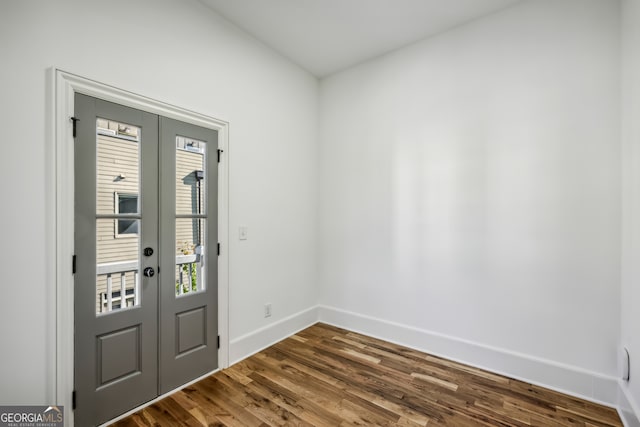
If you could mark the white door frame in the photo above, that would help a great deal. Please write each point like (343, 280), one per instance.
(60, 174)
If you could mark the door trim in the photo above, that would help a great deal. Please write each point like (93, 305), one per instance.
(60, 213)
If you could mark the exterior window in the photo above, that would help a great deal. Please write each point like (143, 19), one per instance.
(126, 203)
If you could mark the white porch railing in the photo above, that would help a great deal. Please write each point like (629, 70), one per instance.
(113, 295)
(186, 265)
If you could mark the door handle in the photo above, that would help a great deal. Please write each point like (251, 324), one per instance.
(148, 272)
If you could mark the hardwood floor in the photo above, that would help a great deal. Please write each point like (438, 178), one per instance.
(326, 376)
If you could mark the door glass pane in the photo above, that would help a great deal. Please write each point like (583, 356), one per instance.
(118, 266)
(190, 206)
(118, 167)
(190, 255)
(117, 196)
(190, 170)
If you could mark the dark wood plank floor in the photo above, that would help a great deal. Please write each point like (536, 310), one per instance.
(326, 376)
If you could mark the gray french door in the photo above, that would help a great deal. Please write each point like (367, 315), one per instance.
(145, 290)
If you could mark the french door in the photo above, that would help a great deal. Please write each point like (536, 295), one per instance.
(145, 290)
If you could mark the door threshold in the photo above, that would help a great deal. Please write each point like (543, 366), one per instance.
(157, 399)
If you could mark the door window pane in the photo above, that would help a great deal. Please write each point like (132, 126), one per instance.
(190, 172)
(118, 166)
(118, 222)
(190, 207)
(117, 268)
(190, 270)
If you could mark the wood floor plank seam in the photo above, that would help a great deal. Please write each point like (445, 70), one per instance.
(328, 376)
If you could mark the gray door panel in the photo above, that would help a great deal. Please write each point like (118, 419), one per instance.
(115, 352)
(189, 321)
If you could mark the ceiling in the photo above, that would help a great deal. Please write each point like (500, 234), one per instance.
(326, 36)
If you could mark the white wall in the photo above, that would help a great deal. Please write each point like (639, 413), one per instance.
(630, 337)
(181, 53)
(470, 186)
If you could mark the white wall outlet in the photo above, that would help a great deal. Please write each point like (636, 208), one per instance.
(267, 310)
(242, 232)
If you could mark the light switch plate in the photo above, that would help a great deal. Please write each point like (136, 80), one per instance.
(242, 233)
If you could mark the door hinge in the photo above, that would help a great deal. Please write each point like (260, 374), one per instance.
(220, 151)
(73, 265)
(218, 341)
(218, 248)
(73, 400)
(74, 120)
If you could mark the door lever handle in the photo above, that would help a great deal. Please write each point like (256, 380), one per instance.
(148, 272)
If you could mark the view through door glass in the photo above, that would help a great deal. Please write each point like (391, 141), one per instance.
(117, 239)
(191, 191)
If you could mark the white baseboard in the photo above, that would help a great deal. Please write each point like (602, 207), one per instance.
(627, 407)
(566, 379)
(242, 347)
(563, 378)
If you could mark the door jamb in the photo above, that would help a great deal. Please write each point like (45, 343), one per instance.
(60, 173)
